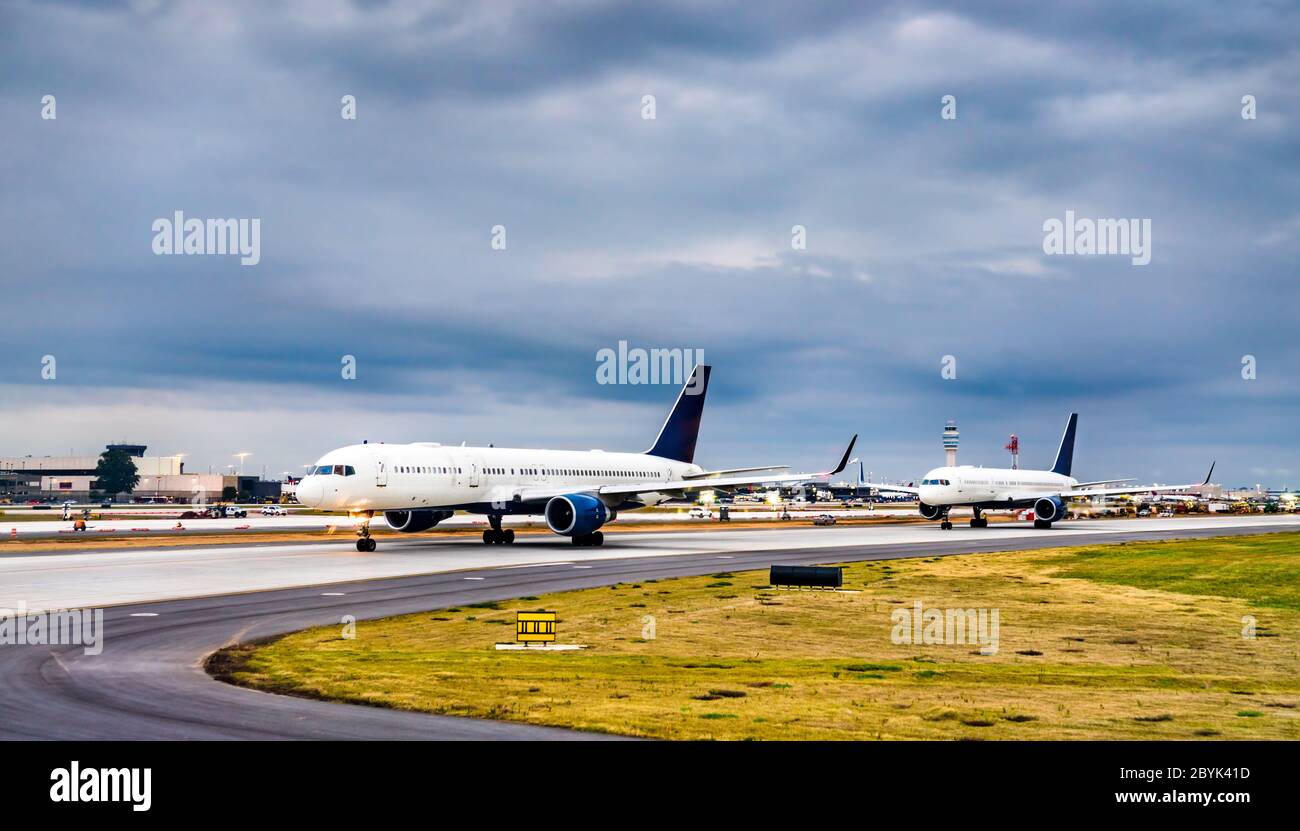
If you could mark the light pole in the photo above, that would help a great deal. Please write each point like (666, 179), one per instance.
(241, 457)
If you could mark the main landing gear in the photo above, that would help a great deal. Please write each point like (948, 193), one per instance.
(365, 542)
(594, 538)
(1042, 524)
(496, 536)
(979, 520)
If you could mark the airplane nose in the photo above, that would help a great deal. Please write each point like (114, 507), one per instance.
(311, 492)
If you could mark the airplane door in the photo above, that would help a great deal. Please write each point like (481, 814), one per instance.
(473, 473)
(381, 472)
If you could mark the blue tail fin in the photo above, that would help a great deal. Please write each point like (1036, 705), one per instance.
(1065, 456)
(677, 438)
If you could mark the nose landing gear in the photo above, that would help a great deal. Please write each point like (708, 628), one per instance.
(945, 523)
(365, 542)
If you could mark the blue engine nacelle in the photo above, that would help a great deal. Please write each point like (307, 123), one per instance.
(1049, 509)
(575, 514)
(412, 522)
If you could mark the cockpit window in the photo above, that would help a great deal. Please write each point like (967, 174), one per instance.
(324, 470)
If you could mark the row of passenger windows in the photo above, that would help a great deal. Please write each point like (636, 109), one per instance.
(566, 471)
(527, 471)
(336, 470)
(989, 482)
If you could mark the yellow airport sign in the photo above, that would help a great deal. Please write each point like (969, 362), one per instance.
(534, 627)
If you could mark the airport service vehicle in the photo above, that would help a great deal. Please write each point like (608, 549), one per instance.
(416, 486)
(1045, 491)
(216, 512)
(700, 513)
(274, 510)
(823, 519)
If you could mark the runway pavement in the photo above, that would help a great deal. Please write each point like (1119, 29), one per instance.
(129, 575)
(159, 522)
(148, 682)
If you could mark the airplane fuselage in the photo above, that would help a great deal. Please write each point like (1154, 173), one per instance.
(984, 487)
(400, 477)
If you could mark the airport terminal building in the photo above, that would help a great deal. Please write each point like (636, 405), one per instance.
(24, 478)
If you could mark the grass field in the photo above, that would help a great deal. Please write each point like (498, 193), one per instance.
(1172, 640)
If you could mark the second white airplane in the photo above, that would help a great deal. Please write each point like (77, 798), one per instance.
(416, 486)
(980, 488)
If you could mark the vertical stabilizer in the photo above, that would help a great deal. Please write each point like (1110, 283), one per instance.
(677, 437)
(1065, 456)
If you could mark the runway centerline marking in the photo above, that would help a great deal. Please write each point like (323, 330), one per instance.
(144, 614)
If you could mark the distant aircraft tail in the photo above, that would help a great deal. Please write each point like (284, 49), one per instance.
(677, 437)
(1065, 456)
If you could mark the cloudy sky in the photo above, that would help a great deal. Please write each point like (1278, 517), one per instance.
(924, 234)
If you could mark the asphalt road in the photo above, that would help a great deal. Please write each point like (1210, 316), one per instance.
(148, 682)
(39, 525)
(74, 577)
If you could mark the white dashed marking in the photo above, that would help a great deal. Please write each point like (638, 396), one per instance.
(534, 565)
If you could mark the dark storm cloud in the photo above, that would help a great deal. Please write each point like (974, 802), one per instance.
(924, 235)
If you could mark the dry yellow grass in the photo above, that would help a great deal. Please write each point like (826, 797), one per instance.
(732, 659)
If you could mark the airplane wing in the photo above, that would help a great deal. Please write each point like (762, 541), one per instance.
(684, 485)
(1078, 485)
(1148, 489)
(709, 473)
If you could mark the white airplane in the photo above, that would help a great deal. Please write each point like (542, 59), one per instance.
(418, 485)
(1045, 491)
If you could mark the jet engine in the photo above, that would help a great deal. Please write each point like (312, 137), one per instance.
(930, 511)
(1049, 509)
(575, 514)
(412, 522)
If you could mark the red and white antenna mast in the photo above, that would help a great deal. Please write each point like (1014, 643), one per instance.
(1014, 447)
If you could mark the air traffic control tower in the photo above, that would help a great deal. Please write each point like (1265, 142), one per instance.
(950, 437)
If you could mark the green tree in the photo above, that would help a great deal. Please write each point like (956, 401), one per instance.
(116, 472)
